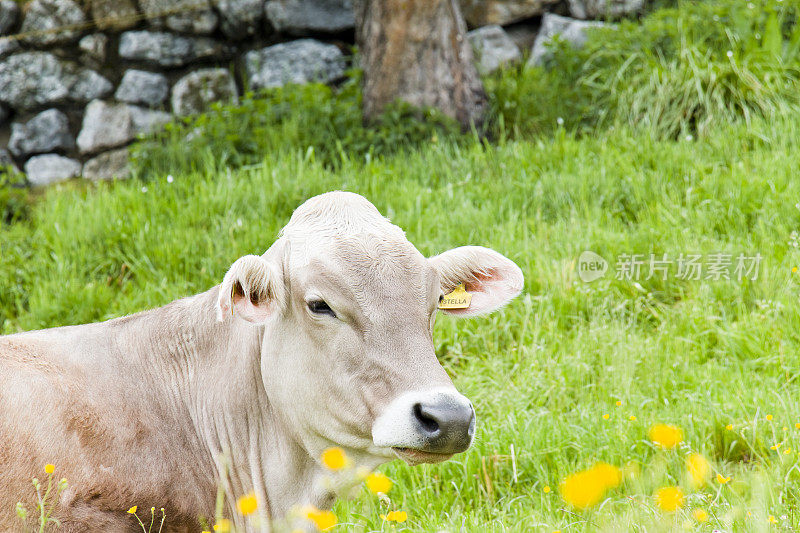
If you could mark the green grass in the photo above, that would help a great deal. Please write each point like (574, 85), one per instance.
(543, 371)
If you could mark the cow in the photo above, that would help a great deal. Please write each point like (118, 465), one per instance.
(324, 340)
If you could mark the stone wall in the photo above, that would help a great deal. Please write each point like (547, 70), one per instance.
(81, 79)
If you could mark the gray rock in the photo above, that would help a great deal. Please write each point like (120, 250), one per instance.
(107, 125)
(303, 16)
(33, 79)
(570, 30)
(146, 121)
(46, 132)
(46, 16)
(168, 50)
(190, 16)
(609, 9)
(51, 168)
(108, 165)
(8, 46)
(301, 61)
(493, 48)
(9, 14)
(114, 15)
(94, 47)
(239, 18)
(195, 92)
(7, 161)
(4, 114)
(483, 12)
(141, 87)
(89, 85)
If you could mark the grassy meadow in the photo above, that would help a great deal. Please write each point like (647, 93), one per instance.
(676, 160)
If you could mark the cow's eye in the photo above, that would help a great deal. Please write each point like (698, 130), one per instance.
(320, 307)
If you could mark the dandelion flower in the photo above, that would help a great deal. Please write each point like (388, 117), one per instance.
(787, 451)
(132, 510)
(665, 436)
(49, 468)
(324, 520)
(769, 418)
(669, 499)
(605, 416)
(377, 482)
(632, 418)
(223, 526)
(247, 504)
(586, 488)
(546, 489)
(698, 469)
(722, 479)
(395, 516)
(618, 404)
(700, 515)
(334, 458)
(729, 427)
(772, 519)
(797, 425)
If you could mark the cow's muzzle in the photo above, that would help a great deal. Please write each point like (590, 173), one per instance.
(426, 426)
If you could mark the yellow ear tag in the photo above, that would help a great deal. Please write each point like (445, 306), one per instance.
(458, 299)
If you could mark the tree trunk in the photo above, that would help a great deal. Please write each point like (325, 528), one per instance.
(417, 51)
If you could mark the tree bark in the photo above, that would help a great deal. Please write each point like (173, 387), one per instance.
(417, 51)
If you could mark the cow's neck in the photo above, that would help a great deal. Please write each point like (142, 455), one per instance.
(211, 373)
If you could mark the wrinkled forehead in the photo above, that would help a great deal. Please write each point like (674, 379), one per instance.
(342, 239)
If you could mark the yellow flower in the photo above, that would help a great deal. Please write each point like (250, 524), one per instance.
(324, 520)
(700, 515)
(605, 417)
(669, 499)
(632, 418)
(49, 468)
(546, 489)
(132, 510)
(223, 526)
(334, 458)
(772, 519)
(769, 418)
(619, 403)
(586, 488)
(698, 469)
(775, 446)
(377, 482)
(797, 425)
(665, 436)
(247, 504)
(787, 451)
(729, 427)
(395, 516)
(722, 479)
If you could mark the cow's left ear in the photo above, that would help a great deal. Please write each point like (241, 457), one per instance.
(251, 290)
(491, 279)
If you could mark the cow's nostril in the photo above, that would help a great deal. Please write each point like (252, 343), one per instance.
(428, 423)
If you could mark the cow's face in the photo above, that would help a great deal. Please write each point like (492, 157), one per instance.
(348, 306)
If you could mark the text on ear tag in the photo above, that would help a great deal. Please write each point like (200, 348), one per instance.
(458, 299)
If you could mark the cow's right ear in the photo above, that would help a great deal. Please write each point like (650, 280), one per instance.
(251, 290)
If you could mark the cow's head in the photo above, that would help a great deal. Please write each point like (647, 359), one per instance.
(348, 305)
